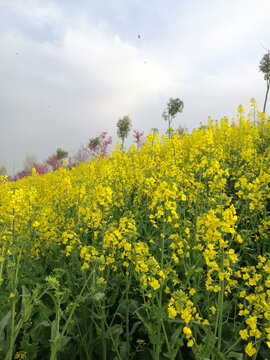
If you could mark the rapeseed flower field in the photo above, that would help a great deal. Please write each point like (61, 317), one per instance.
(159, 253)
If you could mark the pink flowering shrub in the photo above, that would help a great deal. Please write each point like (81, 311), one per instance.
(53, 162)
(100, 145)
(41, 169)
(138, 138)
(82, 155)
(96, 146)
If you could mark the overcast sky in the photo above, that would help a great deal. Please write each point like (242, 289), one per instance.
(69, 69)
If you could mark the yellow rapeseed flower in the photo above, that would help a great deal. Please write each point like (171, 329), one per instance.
(249, 349)
(172, 312)
(190, 343)
(244, 334)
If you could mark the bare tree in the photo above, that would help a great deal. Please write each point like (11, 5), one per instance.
(29, 161)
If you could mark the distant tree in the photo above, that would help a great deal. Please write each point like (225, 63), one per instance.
(265, 69)
(170, 132)
(99, 145)
(61, 154)
(174, 106)
(3, 170)
(82, 155)
(94, 143)
(123, 128)
(181, 130)
(154, 131)
(29, 162)
(40, 169)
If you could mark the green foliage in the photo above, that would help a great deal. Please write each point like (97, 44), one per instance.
(94, 143)
(123, 128)
(265, 66)
(174, 106)
(61, 154)
(154, 131)
(161, 253)
(265, 69)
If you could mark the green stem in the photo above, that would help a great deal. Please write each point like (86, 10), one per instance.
(233, 345)
(87, 350)
(197, 203)
(217, 317)
(166, 339)
(16, 329)
(178, 348)
(115, 346)
(257, 349)
(90, 351)
(103, 334)
(57, 343)
(13, 312)
(221, 299)
(266, 95)
(58, 317)
(12, 338)
(13, 226)
(180, 356)
(157, 344)
(127, 314)
(2, 266)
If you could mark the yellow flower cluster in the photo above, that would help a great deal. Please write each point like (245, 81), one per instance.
(180, 217)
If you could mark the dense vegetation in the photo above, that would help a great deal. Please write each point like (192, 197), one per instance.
(159, 253)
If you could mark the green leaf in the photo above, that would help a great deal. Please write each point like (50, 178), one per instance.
(134, 327)
(208, 343)
(123, 350)
(219, 355)
(63, 342)
(148, 325)
(43, 323)
(54, 331)
(25, 299)
(29, 346)
(98, 296)
(175, 337)
(122, 309)
(133, 305)
(235, 355)
(3, 323)
(116, 330)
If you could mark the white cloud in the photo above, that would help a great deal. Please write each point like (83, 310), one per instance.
(86, 74)
(37, 12)
(117, 67)
(79, 68)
